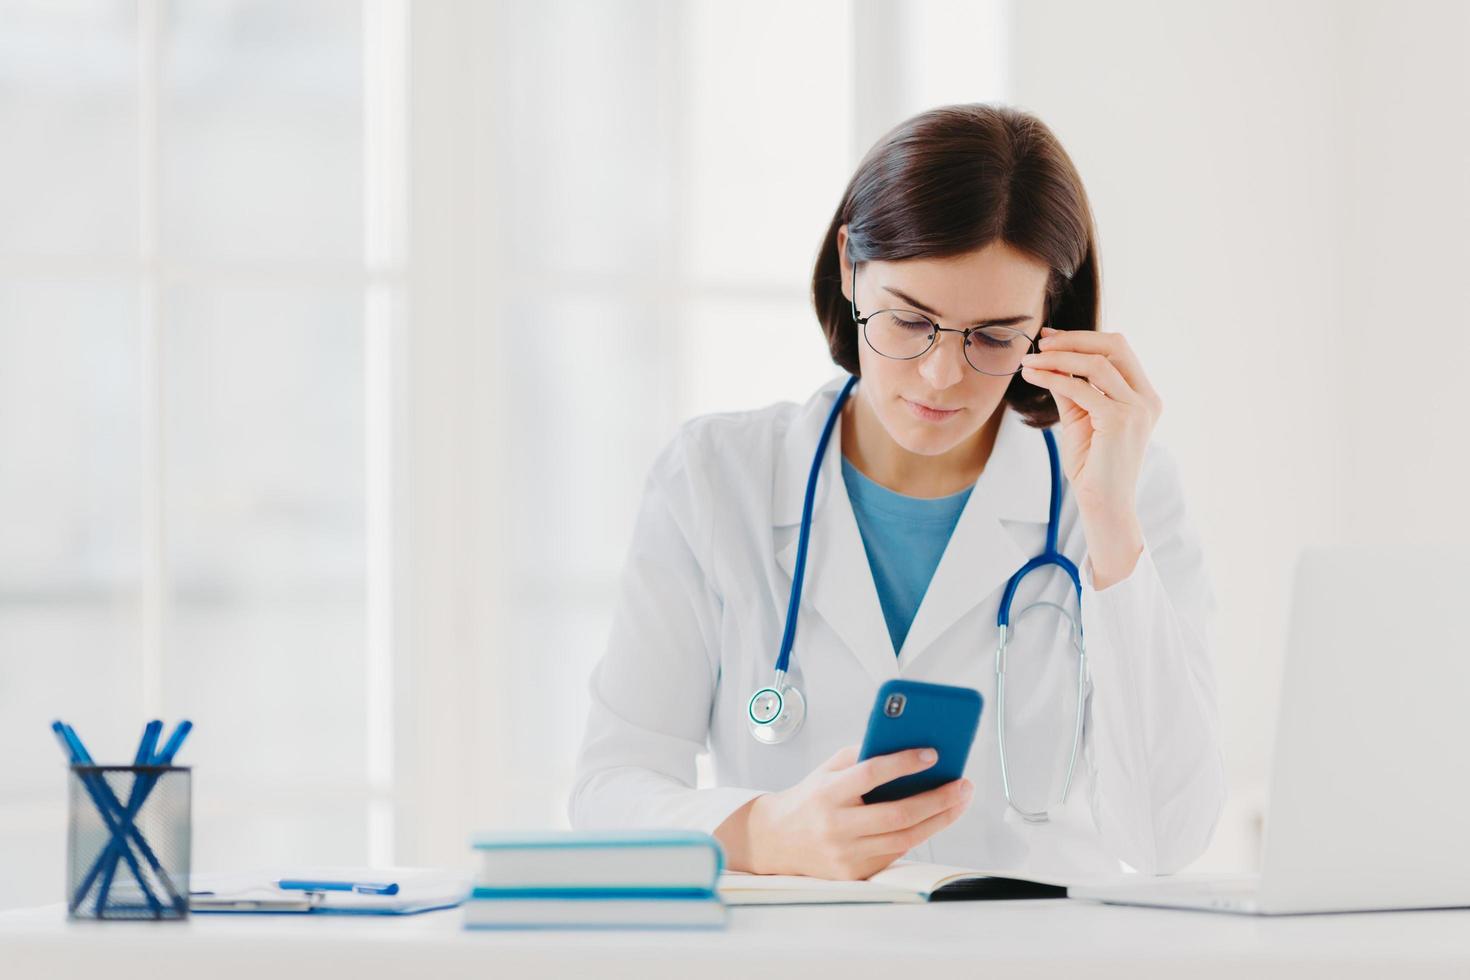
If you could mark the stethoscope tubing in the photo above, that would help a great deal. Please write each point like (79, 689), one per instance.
(767, 730)
(798, 571)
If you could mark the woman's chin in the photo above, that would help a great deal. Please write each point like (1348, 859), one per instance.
(923, 440)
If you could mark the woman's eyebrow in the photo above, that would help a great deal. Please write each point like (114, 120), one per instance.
(1003, 321)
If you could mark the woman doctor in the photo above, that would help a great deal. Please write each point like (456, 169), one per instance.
(958, 282)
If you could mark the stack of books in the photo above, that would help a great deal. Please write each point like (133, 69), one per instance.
(594, 880)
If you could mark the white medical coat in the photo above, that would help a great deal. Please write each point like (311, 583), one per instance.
(699, 619)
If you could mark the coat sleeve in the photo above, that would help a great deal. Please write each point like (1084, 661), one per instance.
(1159, 778)
(652, 692)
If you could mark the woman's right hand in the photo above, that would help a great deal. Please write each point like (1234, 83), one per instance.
(821, 826)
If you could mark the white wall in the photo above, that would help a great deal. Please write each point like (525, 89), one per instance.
(1281, 194)
(1403, 150)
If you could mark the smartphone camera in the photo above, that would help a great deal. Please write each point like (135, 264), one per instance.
(893, 707)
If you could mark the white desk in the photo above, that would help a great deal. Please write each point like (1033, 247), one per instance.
(942, 941)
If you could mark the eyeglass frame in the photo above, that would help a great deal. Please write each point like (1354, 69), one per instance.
(1032, 346)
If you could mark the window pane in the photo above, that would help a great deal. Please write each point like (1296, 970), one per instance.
(591, 377)
(33, 846)
(261, 125)
(277, 831)
(559, 637)
(68, 109)
(584, 163)
(768, 144)
(741, 354)
(70, 540)
(69, 427)
(265, 532)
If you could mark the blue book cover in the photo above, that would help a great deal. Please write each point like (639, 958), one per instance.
(596, 911)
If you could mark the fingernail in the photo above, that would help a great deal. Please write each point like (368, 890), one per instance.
(1029, 358)
(928, 755)
(967, 789)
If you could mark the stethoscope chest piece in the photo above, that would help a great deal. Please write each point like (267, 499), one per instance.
(776, 713)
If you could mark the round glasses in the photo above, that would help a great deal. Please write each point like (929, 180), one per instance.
(904, 335)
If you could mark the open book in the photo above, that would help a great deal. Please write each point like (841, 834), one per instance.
(903, 881)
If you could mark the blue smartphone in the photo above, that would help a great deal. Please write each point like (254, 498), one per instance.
(915, 715)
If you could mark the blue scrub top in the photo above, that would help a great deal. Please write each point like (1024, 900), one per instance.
(904, 537)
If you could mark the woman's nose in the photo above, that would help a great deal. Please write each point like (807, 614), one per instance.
(945, 365)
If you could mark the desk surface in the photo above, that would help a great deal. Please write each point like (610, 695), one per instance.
(1037, 938)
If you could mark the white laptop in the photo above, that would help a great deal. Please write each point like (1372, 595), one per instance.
(1369, 804)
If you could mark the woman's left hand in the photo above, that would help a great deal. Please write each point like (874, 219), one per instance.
(1108, 410)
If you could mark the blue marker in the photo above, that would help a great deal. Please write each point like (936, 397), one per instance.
(171, 747)
(71, 744)
(356, 887)
(108, 859)
(148, 742)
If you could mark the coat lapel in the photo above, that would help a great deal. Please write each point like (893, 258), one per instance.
(983, 553)
(839, 584)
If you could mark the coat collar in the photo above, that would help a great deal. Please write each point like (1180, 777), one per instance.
(1017, 476)
(981, 556)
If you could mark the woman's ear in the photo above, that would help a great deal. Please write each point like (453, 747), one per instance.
(844, 267)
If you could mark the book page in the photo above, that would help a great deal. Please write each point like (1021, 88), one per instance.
(902, 881)
(740, 888)
(927, 879)
(916, 876)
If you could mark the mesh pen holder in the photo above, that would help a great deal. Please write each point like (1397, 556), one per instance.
(128, 836)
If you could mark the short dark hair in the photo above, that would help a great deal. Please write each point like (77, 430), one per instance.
(956, 179)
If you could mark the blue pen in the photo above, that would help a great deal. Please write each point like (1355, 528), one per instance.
(72, 743)
(356, 887)
(171, 747)
(108, 859)
(165, 757)
(148, 743)
(103, 798)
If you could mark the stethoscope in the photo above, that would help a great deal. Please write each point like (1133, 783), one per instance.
(778, 711)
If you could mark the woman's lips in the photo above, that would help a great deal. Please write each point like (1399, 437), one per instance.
(929, 414)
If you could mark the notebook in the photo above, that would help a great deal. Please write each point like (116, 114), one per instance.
(420, 890)
(901, 882)
(640, 879)
(650, 860)
(597, 910)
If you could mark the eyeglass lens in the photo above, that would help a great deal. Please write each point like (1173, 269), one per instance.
(903, 335)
